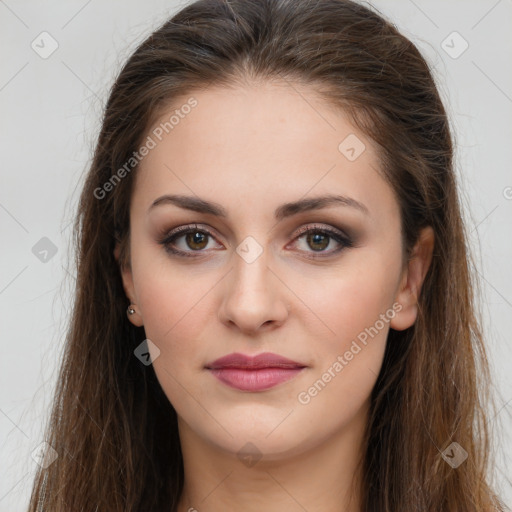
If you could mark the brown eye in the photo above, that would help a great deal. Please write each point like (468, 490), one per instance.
(321, 242)
(318, 241)
(189, 241)
(196, 240)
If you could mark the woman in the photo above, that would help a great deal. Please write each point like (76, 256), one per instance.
(274, 306)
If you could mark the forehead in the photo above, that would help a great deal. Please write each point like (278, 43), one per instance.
(259, 144)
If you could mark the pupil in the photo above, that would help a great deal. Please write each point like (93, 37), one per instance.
(317, 238)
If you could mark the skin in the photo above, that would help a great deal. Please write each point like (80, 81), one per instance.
(250, 149)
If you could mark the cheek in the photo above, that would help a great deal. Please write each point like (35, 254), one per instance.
(176, 311)
(352, 298)
(165, 293)
(348, 361)
(173, 320)
(356, 305)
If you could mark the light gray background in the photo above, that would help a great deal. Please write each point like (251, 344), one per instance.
(50, 112)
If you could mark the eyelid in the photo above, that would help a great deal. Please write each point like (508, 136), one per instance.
(315, 226)
(185, 229)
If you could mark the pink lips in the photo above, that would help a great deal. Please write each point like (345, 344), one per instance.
(254, 373)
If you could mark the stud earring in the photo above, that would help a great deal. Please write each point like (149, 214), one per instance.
(130, 311)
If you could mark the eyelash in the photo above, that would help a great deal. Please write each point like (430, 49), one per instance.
(170, 238)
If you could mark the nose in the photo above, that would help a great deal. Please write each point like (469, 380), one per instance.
(253, 297)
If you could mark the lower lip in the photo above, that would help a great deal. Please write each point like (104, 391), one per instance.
(254, 380)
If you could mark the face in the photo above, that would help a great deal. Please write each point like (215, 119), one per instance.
(252, 260)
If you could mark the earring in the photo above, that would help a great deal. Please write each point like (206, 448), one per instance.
(130, 311)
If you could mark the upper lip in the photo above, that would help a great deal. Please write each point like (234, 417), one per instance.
(264, 360)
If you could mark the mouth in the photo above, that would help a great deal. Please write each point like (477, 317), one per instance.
(254, 373)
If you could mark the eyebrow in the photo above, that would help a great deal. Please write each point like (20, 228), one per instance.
(197, 204)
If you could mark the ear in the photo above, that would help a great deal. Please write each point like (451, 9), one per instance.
(129, 289)
(412, 280)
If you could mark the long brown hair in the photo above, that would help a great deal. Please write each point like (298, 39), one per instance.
(112, 426)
